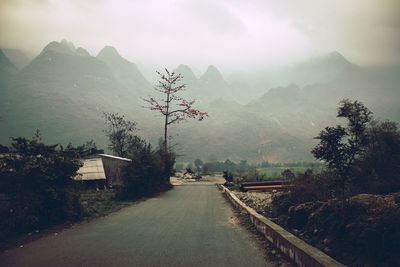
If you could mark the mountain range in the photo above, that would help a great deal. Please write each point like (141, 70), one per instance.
(269, 115)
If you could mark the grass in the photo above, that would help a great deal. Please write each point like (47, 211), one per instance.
(101, 203)
(95, 204)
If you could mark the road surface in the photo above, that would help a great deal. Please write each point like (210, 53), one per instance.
(191, 225)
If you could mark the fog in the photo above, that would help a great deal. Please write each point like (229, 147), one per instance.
(233, 35)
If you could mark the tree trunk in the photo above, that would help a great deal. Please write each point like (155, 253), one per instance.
(166, 121)
(165, 134)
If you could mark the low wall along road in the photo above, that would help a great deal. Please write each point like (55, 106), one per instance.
(297, 250)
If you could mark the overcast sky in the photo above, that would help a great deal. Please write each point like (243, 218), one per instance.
(230, 34)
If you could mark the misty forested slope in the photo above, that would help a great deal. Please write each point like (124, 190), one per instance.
(18, 58)
(64, 90)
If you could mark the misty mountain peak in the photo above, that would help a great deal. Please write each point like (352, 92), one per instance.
(65, 47)
(69, 44)
(109, 53)
(82, 52)
(187, 73)
(212, 74)
(59, 48)
(335, 56)
(183, 68)
(5, 64)
(125, 71)
(213, 70)
(18, 57)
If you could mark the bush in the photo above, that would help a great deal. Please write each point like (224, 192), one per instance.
(147, 174)
(36, 188)
(307, 187)
(228, 176)
(366, 234)
(377, 171)
(250, 176)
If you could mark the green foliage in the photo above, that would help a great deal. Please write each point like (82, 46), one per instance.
(228, 176)
(3, 149)
(36, 188)
(100, 203)
(371, 235)
(365, 155)
(89, 148)
(377, 170)
(288, 175)
(362, 157)
(306, 187)
(120, 133)
(249, 176)
(341, 146)
(148, 173)
(206, 171)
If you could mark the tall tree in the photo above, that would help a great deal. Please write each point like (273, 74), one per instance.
(121, 134)
(173, 107)
(340, 146)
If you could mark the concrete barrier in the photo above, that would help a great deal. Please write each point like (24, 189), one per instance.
(296, 249)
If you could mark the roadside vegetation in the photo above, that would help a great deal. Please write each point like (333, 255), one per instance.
(101, 203)
(37, 189)
(253, 171)
(351, 208)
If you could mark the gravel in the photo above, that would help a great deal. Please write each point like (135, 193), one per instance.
(259, 201)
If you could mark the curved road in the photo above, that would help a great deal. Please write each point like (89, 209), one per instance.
(191, 225)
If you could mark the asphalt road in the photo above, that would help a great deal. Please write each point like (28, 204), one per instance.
(191, 225)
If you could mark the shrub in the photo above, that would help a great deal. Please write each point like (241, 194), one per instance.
(148, 173)
(307, 187)
(228, 176)
(36, 188)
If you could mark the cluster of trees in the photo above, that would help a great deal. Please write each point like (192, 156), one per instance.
(362, 157)
(227, 165)
(36, 185)
(36, 189)
(148, 173)
(209, 167)
(311, 165)
(243, 165)
(150, 169)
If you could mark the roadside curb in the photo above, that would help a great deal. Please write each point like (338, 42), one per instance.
(296, 249)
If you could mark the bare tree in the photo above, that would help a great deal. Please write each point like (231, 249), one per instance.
(173, 107)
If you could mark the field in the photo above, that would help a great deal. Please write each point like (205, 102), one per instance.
(275, 172)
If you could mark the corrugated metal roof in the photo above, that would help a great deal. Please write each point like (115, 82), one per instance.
(114, 157)
(92, 169)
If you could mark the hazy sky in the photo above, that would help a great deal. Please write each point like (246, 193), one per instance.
(231, 34)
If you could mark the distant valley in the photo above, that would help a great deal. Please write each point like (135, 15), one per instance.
(270, 115)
